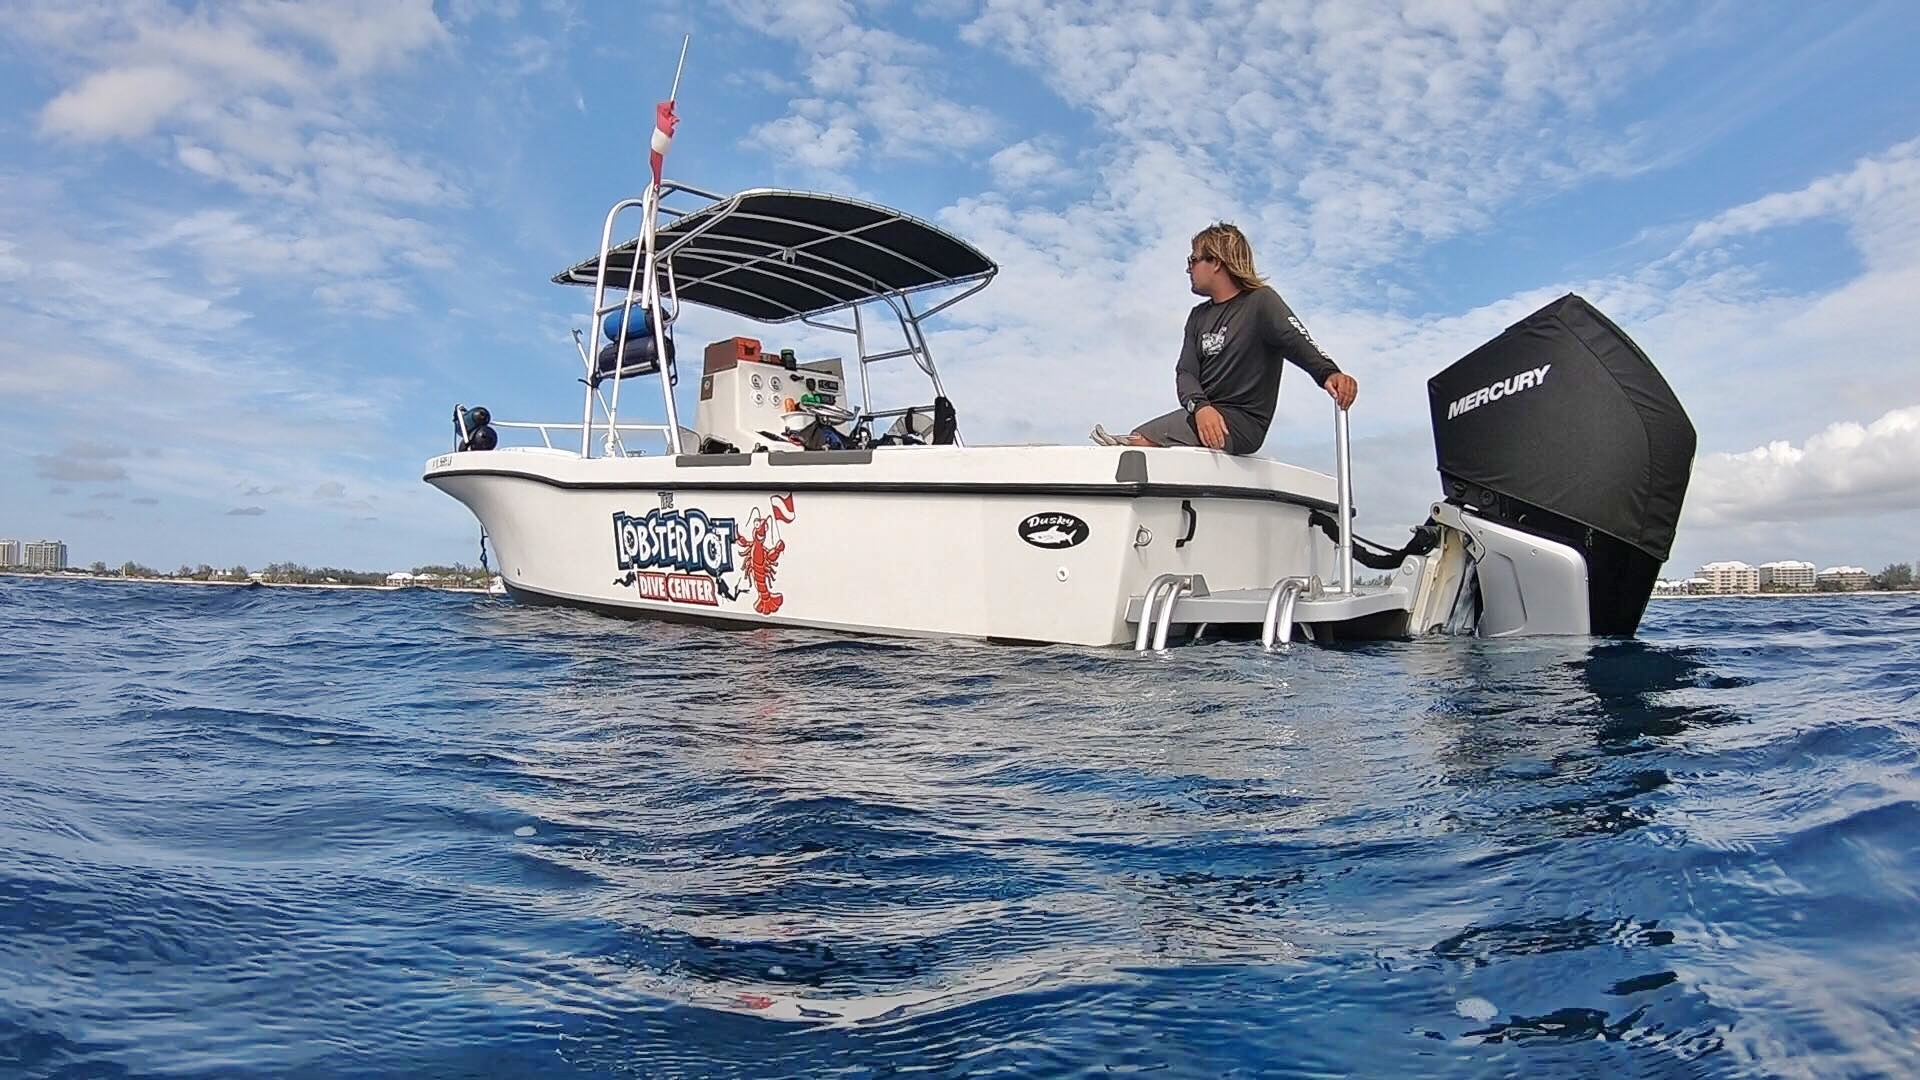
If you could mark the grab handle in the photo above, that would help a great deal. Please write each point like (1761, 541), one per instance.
(1343, 479)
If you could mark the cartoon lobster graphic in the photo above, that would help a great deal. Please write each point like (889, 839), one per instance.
(759, 558)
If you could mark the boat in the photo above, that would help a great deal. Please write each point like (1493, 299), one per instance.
(795, 499)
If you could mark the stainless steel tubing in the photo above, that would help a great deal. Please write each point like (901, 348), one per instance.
(1145, 633)
(1278, 625)
(1343, 478)
(1179, 585)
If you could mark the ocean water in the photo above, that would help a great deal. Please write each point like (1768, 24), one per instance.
(353, 834)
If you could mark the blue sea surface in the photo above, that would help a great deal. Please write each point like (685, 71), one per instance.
(285, 832)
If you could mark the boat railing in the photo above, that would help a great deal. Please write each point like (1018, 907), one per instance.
(1343, 481)
(547, 431)
(641, 289)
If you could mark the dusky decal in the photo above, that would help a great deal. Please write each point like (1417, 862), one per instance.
(1054, 530)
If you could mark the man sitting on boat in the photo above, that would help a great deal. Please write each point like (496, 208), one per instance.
(1236, 343)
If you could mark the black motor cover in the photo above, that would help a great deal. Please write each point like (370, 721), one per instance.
(1562, 426)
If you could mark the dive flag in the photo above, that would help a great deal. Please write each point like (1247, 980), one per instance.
(663, 124)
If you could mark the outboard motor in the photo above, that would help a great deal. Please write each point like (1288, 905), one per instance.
(1562, 454)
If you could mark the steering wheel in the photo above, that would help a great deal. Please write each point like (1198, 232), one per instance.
(830, 415)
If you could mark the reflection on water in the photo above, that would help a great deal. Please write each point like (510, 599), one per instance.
(359, 834)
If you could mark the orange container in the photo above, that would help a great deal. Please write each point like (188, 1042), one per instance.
(722, 355)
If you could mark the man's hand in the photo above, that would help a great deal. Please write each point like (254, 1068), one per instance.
(1341, 388)
(1211, 426)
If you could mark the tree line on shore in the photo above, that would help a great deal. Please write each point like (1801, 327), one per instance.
(1896, 576)
(458, 575)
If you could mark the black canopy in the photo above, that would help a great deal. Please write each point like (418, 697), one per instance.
(1563, 412)
(781, 255)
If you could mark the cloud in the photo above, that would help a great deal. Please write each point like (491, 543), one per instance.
(823, 146)
(118, 103)
(1847, 470)
(262, 98)
(363, 35)
(246, 511)
(373, 299)
(1836, 195)
(90, 514)
(144, 500)
(155, 63)
(80, 465)
(1028, 164)
(332, 489)
(1365, 128)
(871, 92)
(1877, 201)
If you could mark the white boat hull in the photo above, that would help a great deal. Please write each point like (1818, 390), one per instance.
(1030, 544)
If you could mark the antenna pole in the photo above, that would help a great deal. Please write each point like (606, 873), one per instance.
(674, 94)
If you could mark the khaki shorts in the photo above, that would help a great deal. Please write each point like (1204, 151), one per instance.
(1174, 429)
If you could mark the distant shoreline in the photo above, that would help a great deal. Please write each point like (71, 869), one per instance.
(1784, 595)
(58, 576)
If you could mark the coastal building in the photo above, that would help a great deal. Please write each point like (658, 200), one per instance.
(1670, 587)
(1842, 577)
(400, 579)
(9, 553)
(45, 555)
(1730, 577)
(1788, 574)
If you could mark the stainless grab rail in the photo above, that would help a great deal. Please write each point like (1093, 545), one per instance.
(1343, 479)
(1278, 625)
(1182, 584)
(1148, 604)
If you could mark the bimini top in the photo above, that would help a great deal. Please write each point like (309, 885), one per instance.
(777, 255)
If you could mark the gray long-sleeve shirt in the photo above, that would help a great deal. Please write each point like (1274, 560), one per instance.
(1232, 358)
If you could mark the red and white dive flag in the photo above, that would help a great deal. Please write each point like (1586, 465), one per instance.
(663, 124)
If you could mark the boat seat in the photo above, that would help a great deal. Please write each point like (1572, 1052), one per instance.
(915, 429)
(946, 422)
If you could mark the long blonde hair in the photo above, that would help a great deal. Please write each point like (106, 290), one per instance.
(1224, 243)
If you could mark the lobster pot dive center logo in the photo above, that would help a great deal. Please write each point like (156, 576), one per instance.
(674, 555)
(686, 557)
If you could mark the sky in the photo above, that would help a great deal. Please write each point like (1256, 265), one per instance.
(251, 253)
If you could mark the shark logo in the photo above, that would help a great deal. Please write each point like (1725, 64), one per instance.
(1053, 530)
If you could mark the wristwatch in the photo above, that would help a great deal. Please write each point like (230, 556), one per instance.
(1193, 405)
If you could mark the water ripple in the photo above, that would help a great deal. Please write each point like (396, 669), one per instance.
(284, 832)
